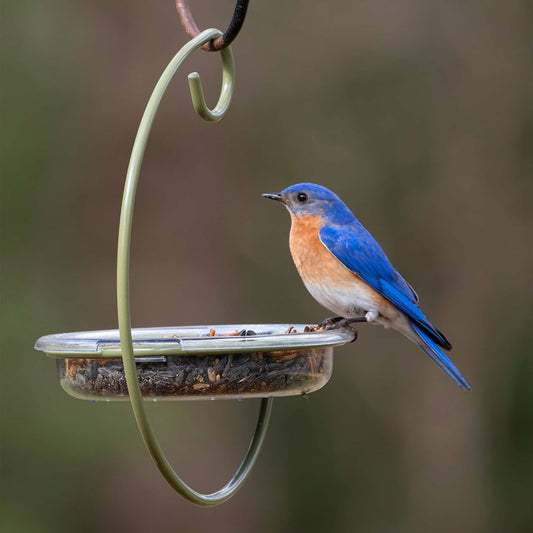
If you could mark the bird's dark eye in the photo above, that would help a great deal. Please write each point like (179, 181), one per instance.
(302, 197)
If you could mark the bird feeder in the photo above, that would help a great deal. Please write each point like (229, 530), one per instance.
(195, 362)
(202, 362)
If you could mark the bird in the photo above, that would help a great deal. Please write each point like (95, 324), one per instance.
(346, 271)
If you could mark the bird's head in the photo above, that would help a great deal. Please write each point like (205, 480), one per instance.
(310, 200)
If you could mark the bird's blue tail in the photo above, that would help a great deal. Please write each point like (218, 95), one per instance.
(431, 348)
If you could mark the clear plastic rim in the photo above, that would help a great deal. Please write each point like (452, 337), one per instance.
(189, 340)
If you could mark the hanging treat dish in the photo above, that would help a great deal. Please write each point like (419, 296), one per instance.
(231, 361)
(194, 362)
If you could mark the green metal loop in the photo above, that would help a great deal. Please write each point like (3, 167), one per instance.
(123, 259)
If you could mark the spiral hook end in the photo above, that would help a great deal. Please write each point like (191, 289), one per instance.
(197, 93)
(198, 99)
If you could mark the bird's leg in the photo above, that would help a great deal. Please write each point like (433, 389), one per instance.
(347, 321)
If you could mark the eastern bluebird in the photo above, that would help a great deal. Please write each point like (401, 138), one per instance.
(345, 270)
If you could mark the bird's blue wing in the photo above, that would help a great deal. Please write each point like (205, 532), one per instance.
(357, 250)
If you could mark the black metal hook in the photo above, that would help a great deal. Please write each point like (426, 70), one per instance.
(228, 36)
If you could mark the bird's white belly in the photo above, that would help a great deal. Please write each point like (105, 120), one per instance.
(349, 302)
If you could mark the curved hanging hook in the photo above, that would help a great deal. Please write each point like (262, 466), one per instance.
(123, 293)
(224, 100)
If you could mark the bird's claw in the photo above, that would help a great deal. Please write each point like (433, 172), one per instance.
(330, 323)
(337, 322)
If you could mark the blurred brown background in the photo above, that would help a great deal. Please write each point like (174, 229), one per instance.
(416, 113)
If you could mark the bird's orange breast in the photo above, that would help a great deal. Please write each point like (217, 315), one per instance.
(315, 263)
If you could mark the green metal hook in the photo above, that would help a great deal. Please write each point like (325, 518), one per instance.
(123, 260)
(197, 93)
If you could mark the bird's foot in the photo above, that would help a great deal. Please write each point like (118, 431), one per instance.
(336, 322)
(341, 322)
(330, 323)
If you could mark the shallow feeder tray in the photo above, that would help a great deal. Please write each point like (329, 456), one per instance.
(198, 362)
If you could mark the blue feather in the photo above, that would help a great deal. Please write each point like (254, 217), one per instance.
(414, 313)
(430, 347)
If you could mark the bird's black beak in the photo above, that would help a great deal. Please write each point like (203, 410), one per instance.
(273, 196)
